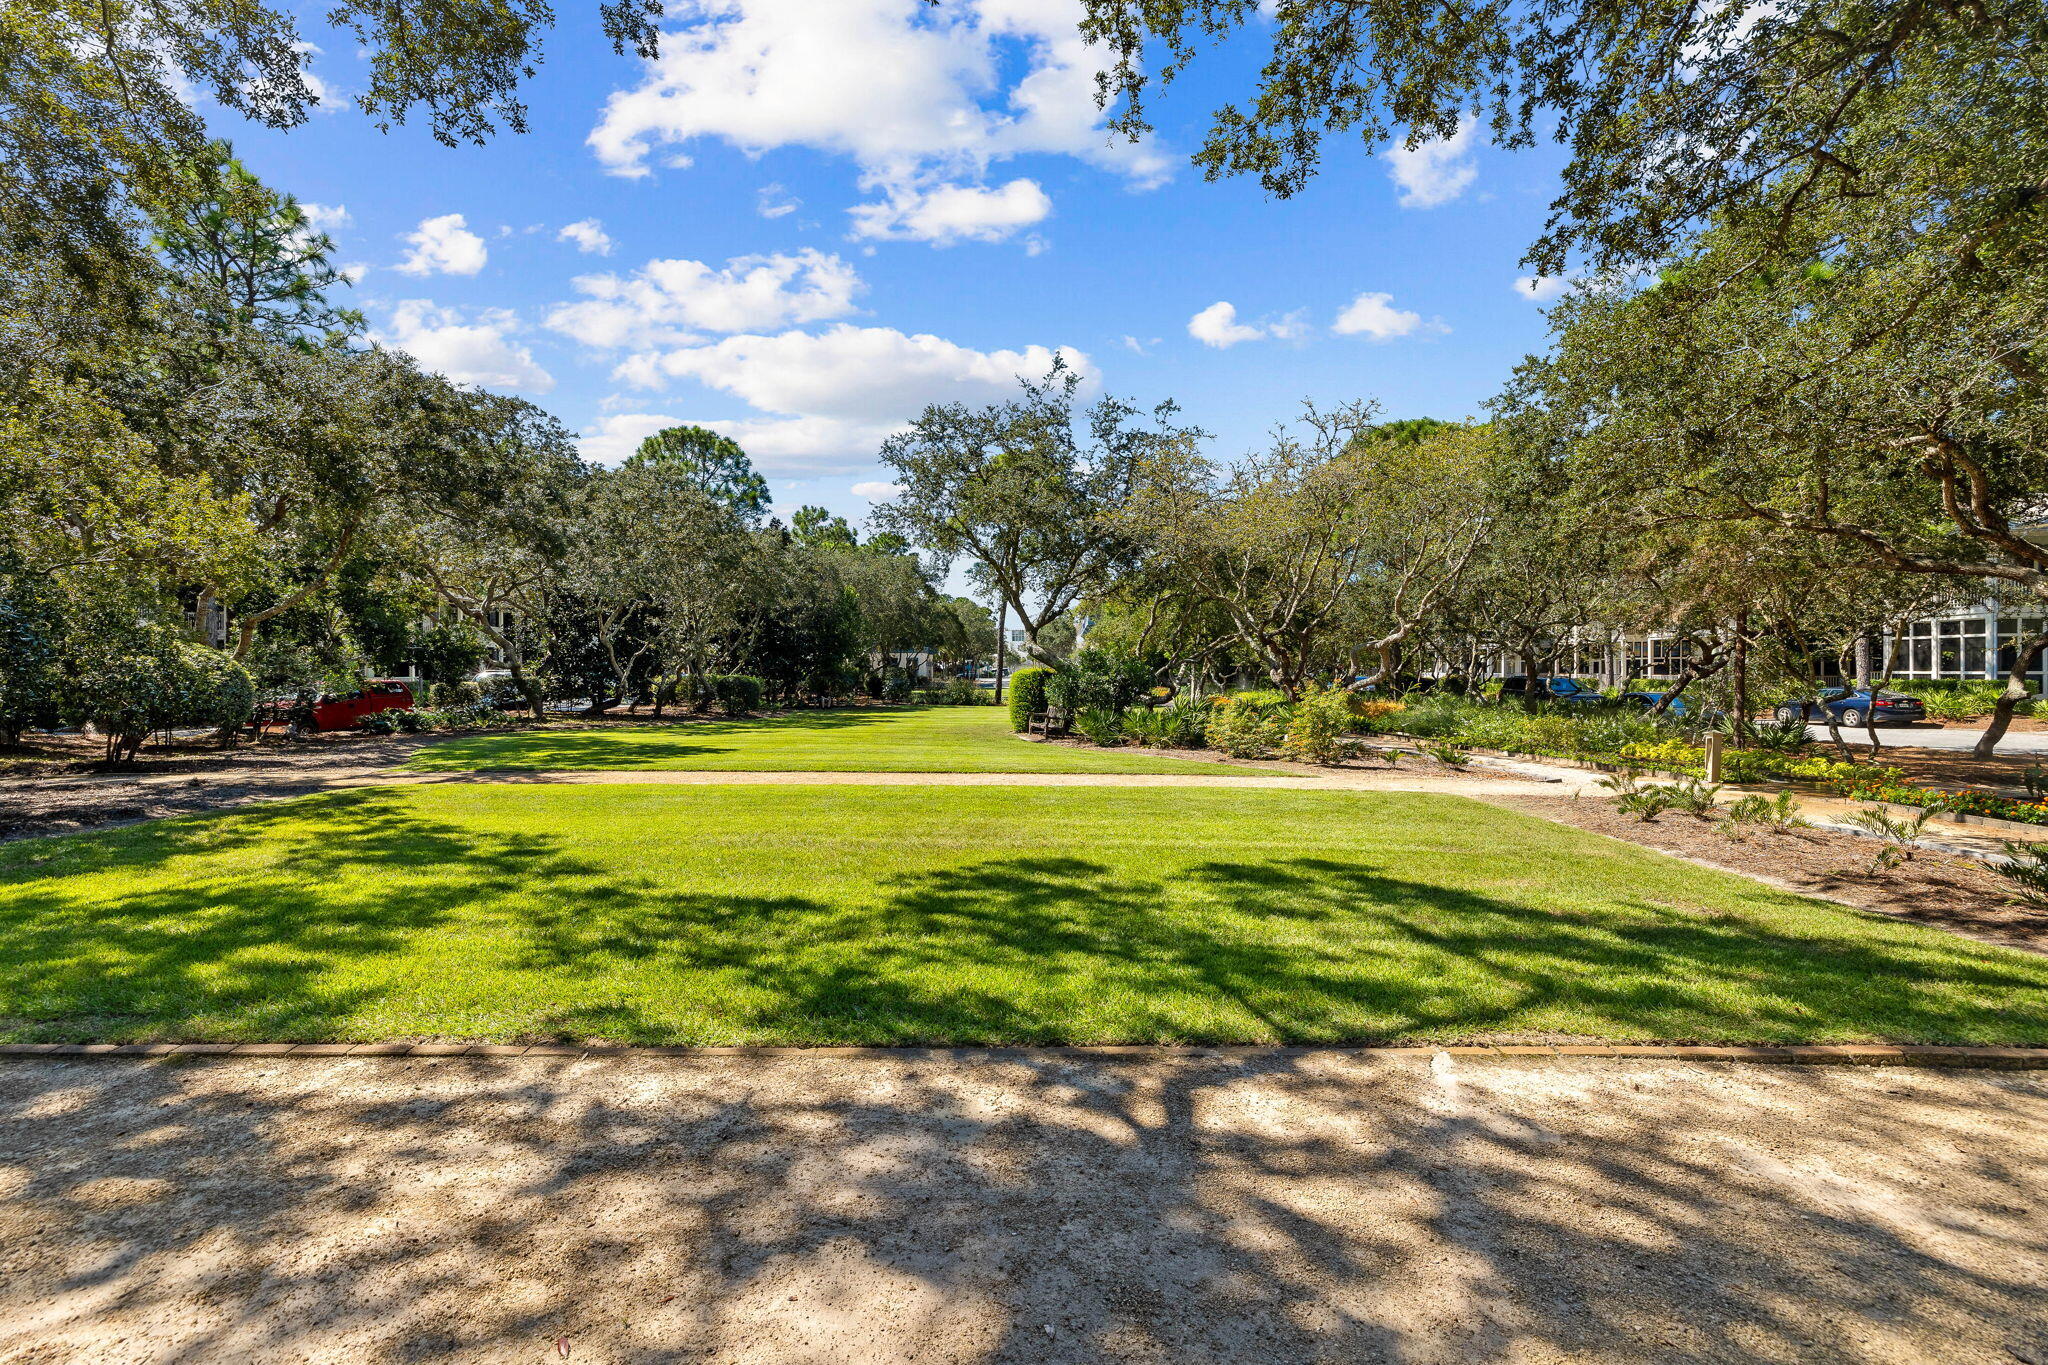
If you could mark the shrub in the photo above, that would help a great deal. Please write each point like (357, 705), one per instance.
(1187, 723)
(447, 654)
(156, 682)
(1110, 680)
(1780, 736)
(1450, 755)
(455, 694)
(1377, 714)
(1179, 726)
(1672, 755)
(1248, 724)
(379, 723)
(1027, 695)
(1100, 725)
(1316, 726)
(739, 694)
(1145, 725)
(1063, 690)
(475, 715)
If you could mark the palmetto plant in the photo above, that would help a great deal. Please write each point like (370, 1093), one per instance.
(1632, 797)
(2026, 867)
(1780, 813)
(1900, 833)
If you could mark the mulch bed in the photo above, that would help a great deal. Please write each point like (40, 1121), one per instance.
(1956, 894)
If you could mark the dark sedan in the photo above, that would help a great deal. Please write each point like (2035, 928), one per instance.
(1856, 706)
(1521, 687)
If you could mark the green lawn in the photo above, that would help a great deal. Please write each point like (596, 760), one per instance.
(937, 739)
(810, 914)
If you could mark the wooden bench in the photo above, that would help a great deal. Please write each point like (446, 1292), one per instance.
(1049, 722)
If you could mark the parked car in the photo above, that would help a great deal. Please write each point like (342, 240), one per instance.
(341, 711)
(1643, 701)
(1565, 691)
(1852, 706)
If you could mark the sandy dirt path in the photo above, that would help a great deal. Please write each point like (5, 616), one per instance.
(1324, 1207)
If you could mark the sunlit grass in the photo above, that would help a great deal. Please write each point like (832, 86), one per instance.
(810, 914)
(939, 739)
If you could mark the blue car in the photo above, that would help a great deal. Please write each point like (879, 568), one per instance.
(1643, 701)
(1854, 706)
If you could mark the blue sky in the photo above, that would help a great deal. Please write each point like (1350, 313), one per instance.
(805, 221)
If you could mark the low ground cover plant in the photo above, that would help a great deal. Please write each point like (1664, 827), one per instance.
(1893, 790)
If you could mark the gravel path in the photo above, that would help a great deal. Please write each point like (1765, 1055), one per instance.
(1282, 1208)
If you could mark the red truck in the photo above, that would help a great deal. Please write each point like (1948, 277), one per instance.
(332, 712)
(379, 694)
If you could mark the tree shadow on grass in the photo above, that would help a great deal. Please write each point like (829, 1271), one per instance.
(1288, 950)
(253, 947)
(302, 923)
(644, 744)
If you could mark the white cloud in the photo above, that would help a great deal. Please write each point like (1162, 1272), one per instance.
(945, 214)
(476, 351)
(1437, 171)
(876, 491)
(781, 445)
(1376, 317)
(828, 399)
(776, 202)
(916, 95)
(618, 436)
(326, 217)
(589, 236)
(1217, 326)
(446, 245)
(1542, 288)
(667, 302)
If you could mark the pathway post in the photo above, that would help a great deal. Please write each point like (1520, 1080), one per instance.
(1713, 756)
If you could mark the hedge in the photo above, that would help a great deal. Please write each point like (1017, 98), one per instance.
(1027, 695)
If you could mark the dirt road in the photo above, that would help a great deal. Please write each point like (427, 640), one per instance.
(939, 1208)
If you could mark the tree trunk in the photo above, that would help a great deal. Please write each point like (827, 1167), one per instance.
(535, 702)
(2016, 691)
(1739, 664)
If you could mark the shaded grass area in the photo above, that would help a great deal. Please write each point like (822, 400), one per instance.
(936, 739)
(798, 915)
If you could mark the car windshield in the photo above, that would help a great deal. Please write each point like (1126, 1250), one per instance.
(1833, 693)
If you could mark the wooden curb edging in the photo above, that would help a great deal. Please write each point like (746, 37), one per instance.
(1849, 1054)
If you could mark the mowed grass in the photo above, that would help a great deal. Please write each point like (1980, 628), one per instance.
(937, 739)
(809, 914)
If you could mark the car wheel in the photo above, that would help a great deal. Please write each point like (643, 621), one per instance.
(1853, 718)
(1788, 714)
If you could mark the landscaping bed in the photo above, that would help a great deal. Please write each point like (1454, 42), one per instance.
(1958, 894)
